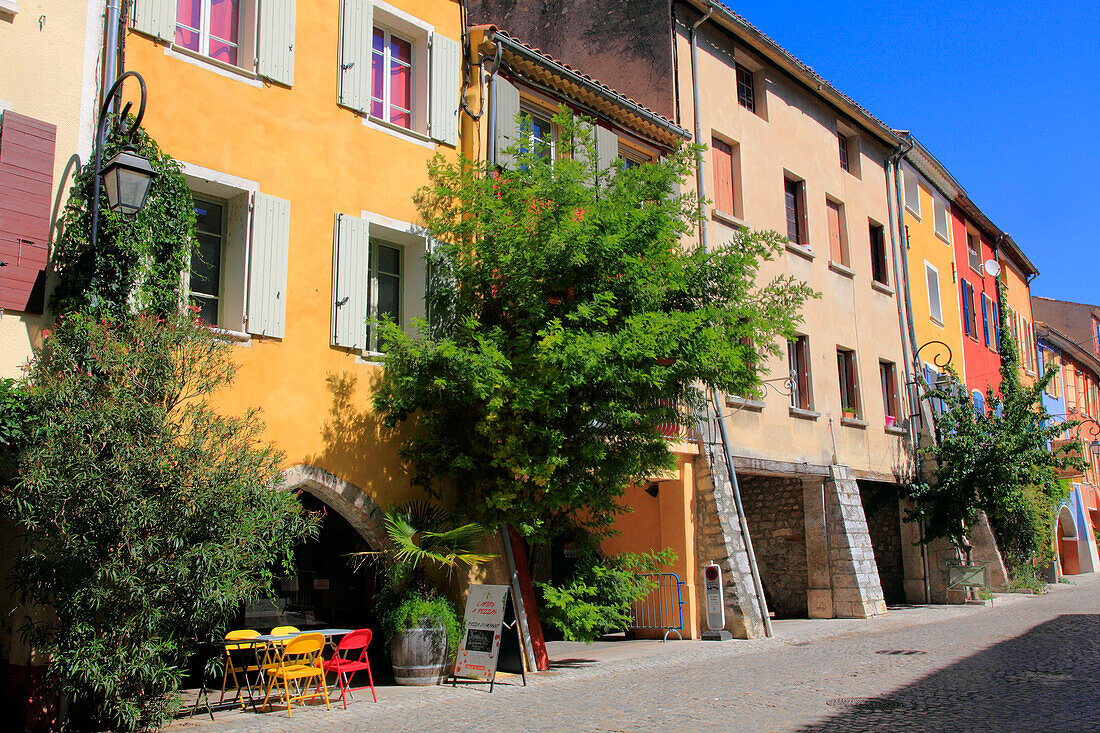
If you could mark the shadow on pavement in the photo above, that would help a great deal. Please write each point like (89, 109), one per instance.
(571, 663)
(1046, 679)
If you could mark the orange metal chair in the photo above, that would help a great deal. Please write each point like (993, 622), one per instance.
(300, 661)
(345, 665)
(231, 666)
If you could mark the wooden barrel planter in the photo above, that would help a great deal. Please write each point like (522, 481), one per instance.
(419, 656)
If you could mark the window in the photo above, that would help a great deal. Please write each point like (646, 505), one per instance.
(1054, 387)
(879, 268)
(979, 402)
(206, 261)
(798, 358)
(985, 319)
(537, 133)
(631, 158)
(795, 194)
(746, 88)
(838, 232)
(995, 330)
(973, 251)
(726, 160)
(849, 381)
(941, 218)
(211, 28)
(843, 143)
(912, 191)
(889, 379)
(935, 307)
(383, 288)
(391, 78)
(970, 316)
(1027, 346)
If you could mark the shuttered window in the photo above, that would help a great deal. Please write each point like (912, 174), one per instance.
(351, 282)
(879, 267)
(206, 260)
(889, 381)
(722, 160)
(932, 278)
(970, 321)
(849, 381)
(838, 235)
(384, 275)
(798, 359)
(985, 319)
(26, 191)
(912, 190)
(506, 129)
(268, 266)
(795, 198)
(746, 88)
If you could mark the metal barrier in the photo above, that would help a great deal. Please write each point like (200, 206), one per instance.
(663, 608)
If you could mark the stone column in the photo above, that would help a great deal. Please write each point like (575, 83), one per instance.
(819, 591)
(719, 540)
(857, 592)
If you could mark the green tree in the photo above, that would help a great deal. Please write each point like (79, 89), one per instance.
(147, 518)
(567, 320)
(996, 461)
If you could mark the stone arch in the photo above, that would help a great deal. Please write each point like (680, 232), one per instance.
(347, 499)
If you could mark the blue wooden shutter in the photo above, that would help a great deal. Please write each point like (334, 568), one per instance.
(156, 18)
(445, 88)
(996, 325)
(966, 307)
(277, 41)
(350, 282)
(267, 266)
(356, 35)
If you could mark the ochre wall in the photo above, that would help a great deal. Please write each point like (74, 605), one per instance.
(46, 75)
(299, 145)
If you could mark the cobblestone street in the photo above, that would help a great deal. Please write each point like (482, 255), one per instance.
(1029, 663)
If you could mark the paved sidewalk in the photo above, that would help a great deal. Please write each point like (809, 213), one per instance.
(917, 668)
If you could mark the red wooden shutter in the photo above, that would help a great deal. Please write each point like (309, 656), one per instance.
(26, 189)
(722, 160)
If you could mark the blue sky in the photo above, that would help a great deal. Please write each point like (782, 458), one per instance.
(1005, 94)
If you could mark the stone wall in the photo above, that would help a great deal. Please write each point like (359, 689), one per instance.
(857, 592)
(881, 508)
(718, 539)
(777, 526)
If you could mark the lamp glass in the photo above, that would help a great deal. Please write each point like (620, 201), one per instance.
(1095, 448)
(127, 178)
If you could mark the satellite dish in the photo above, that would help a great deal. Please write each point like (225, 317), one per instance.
(993, 268)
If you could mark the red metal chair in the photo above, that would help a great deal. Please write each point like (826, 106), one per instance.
(345, 666)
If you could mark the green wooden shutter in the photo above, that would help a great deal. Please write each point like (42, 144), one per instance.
(350, 282)
(267, 266)
(506, 129)
(356, 34)
(445, 88)
(156, 18)
(277, 41)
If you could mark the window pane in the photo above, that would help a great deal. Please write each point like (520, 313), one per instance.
(400, 86)
(187, 38)
(400, 50)
(189, 13)
(389, 296)
(206, 265)
(379, 42)
(389, 260)
(208, 309)
(223, 51)
(377, 92)
(401, 119)
(223, 20)
(208, 217)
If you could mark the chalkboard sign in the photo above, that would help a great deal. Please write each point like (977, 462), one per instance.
(491, 641)
(479, 640)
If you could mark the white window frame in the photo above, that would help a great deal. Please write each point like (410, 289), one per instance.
(410, 28)
(233, 289)
(247, 28)
(413, 242)
(388, 60)
(936, 317)
(375, 246)
(217, 296)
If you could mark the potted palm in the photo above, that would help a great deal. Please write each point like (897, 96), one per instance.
(419, 622)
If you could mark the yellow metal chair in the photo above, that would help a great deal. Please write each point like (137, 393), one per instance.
(284, 630)
(300, 660)
(233, 666)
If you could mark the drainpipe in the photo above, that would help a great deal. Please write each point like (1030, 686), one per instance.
(895, 195)
(754, 570)
(110, 50)
(700, 186)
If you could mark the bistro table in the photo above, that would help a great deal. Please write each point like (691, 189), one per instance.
(262, 649)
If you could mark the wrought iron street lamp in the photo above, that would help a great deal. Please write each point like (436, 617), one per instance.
(127, 176)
